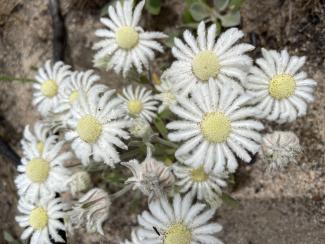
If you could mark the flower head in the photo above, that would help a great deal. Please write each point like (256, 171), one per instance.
(202, 59)
(201, 183)
(181, 222)
(151, 177)
(42, 174)
(78, 82)
(280, 148)
(50, 80)
(91, 211)
(97, 127)
(280, 90)
(216, 124)
(126, 43)
(35, 139)
(41, 220)
(139, 102)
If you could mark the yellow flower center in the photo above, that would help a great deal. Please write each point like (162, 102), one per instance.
(40, 147)
(199, 174)
(89, 129)
(38, 218)
(73, 97)
(282, 86)
(49, 88)
(205, 65)
(215, 127)
(127, 37)
(135, 107)
(177, 233)
(37, 170)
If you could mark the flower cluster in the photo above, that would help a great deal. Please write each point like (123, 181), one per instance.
(182, 137)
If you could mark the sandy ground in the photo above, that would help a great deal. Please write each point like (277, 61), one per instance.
(281, 209)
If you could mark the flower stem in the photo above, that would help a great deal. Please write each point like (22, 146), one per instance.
(7, 78)
(121, 192)
(164, 142)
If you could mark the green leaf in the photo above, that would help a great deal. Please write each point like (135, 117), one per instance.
(221, 5)
(160, 126)
(199, 11)
(187, 17)
(235, 5)
(229, 201)
(9, 238)
(104, 10)
(230, 19)
(153, 6)
(166, 114)
(219, 27)
(143, 79)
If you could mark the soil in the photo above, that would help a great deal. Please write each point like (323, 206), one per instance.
(286, 208)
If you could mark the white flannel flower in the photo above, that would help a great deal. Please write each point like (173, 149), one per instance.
(42, 174)
(202, 59)
(50, 80)
(139, 102)
(35, 138)
(168, 93)
(216, 126)
(97, 127)
(79, 82)
(126, 43)
(181, 222)
(280, 90)
(41, 221)
(279, 149)
(205, 185)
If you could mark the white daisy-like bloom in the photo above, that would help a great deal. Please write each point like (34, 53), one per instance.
(181, 222)
(126, 43)
(280, 90)
(50, 80)
(42, 174)
(79, 82)
(201, 183)
(279, 149)
(202, 59)
(42, 220)
(135, 239)
(167, 92)
(139, 102)
(97, 127)
(35, 138)
(216, 126)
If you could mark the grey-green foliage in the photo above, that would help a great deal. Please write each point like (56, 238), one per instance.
(153, 6)
(224, 13)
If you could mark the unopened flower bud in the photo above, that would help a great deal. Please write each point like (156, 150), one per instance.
(151, 177)
(91, 211)
(140, 128)
(280, 148)
(79, 182)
